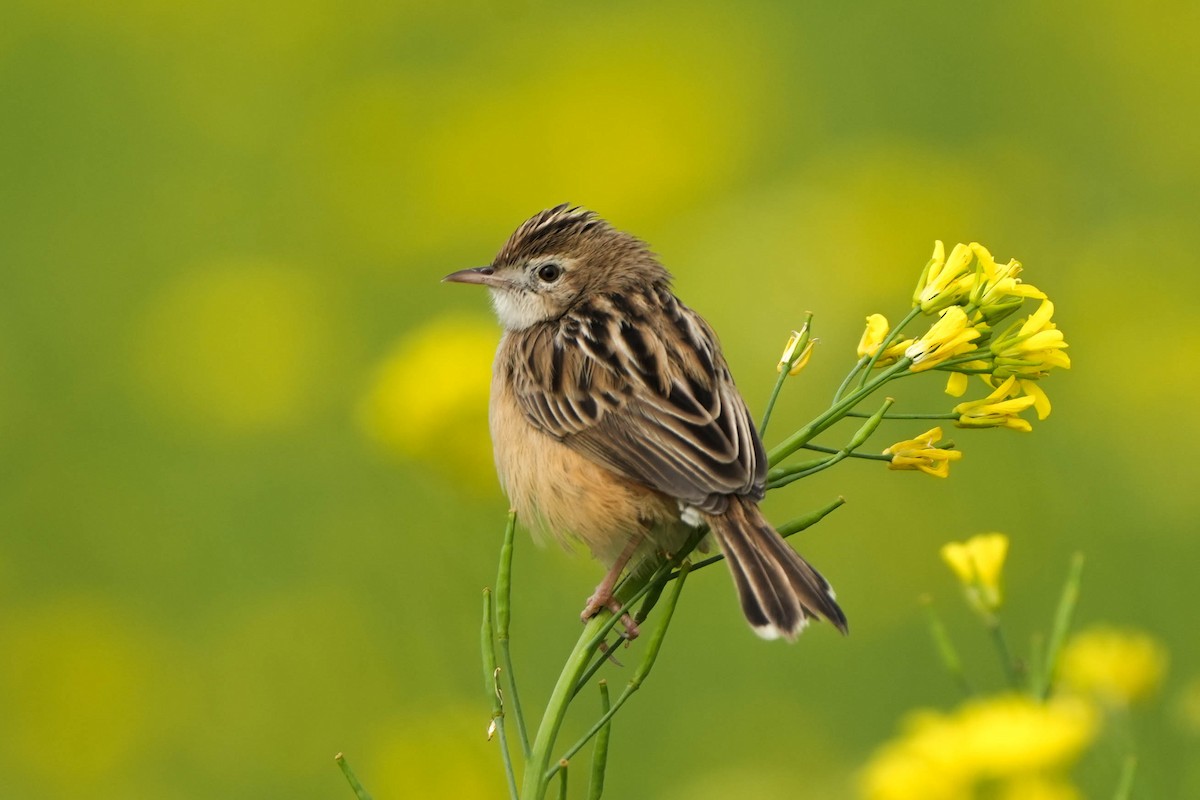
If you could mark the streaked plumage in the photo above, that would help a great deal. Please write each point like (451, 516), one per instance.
(614, 413)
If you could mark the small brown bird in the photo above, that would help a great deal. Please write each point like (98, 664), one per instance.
(615, 421)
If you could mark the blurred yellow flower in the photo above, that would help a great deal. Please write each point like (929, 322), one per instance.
(1000, 409)
(1037, 787)
(952, 335)
(240, 346)
(1003, 742)
(1116, 666)
(922, 453)
(77, 685)
(428, 400)
(978, 563)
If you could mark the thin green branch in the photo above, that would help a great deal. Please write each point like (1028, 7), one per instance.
(628, 592)
(948, 415)
(503, 617)
(831, 415)
(491, 680)
(1062, 624)
(562, 779)
(651, 589)
(642, 671)
(1125, 782)
(600, 752)
(845, 384)
(794, 354)
(894, 334)
(786, 476)
(945, 647)
(351, 778)
(1037, 655)
(775, 390)
(869, 456)
(1012, 670)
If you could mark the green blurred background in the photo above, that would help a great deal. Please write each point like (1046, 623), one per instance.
(246, 501)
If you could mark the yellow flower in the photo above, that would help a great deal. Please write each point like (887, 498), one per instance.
(952, 335)
(1000, 409)
(793, 362)
(876, 332)
(922, 453)
(1031, 349)
(978, 564)
(956, 384)
(942, 282)
(997, 290)
(1041, 403)
(1116, 666)
(1001, 742)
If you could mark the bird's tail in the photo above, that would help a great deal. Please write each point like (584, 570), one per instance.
(778, 589)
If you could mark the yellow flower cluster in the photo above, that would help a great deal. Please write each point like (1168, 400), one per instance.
(922, 453)
(1010, 744)
(970, 293)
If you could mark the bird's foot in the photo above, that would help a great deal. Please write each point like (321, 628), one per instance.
(603, 599)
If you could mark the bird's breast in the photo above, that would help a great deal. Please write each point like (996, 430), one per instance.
(562, 495)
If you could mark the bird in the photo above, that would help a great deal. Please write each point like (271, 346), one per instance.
(616, 423)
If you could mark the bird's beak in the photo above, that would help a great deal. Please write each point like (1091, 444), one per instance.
(482, 275)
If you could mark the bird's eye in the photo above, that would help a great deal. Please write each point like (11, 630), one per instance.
(549, 273)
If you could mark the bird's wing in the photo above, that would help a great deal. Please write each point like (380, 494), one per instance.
(639, 385)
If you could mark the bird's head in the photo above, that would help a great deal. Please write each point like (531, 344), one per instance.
(557, 258)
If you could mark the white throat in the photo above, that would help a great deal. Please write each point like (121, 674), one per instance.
(517, 310)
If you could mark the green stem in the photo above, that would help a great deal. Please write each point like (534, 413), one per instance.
(600, 754)
(845, 384)
(905, 416)
(1011, 669)
(503, 616)
(945, 647)
(351, 778)
(491, 680)
(797, 346)
(857, 440)
(632, 589)
(534, 787)
(783, 376)
(1125, 782)
(641, 673)
(562, 780)
(869, 456)
(1062, 624)
(833, 414)
(648, 590)
(894, 334)
(1037, 655)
